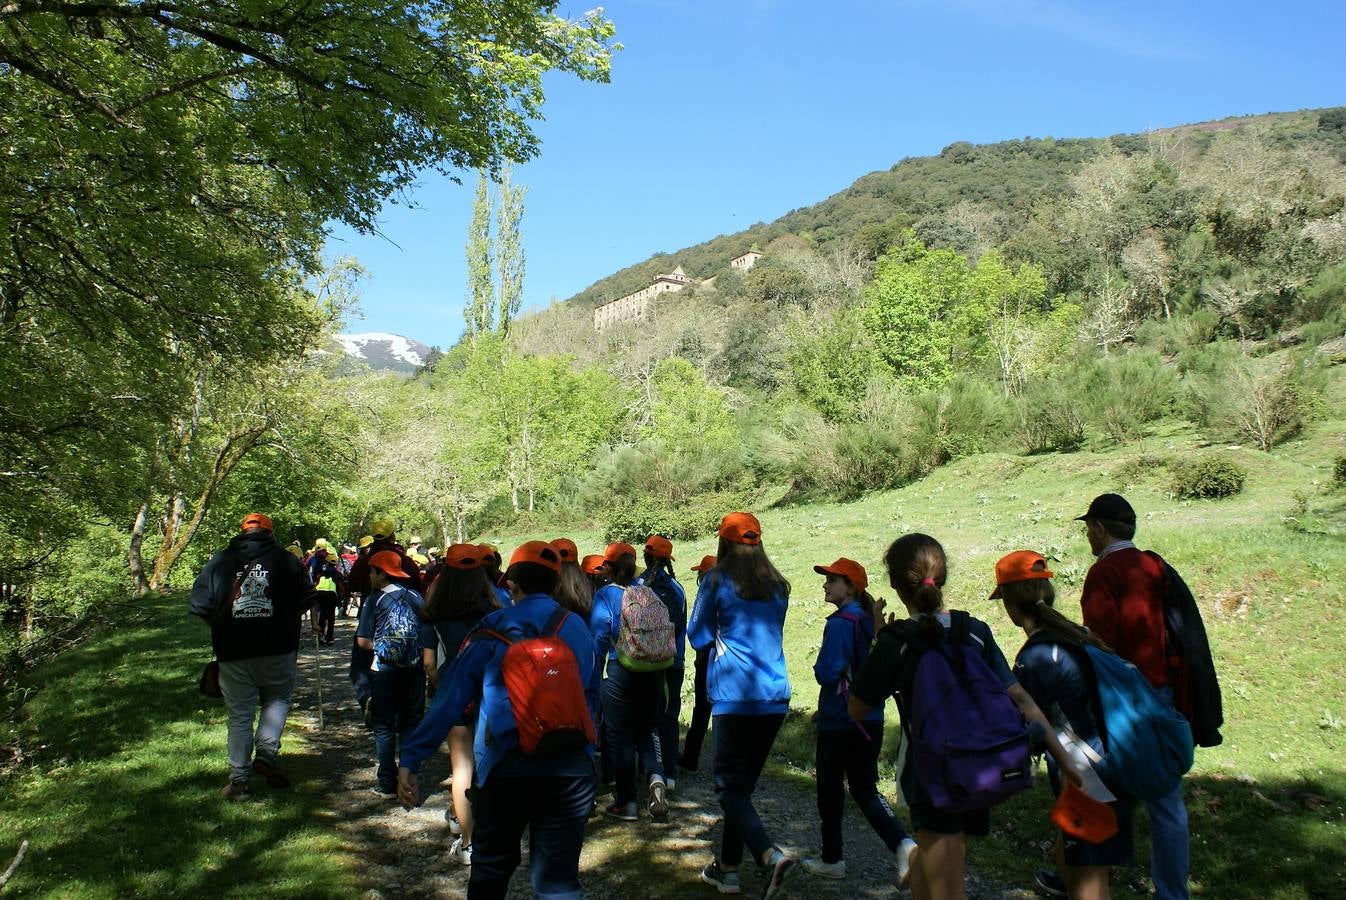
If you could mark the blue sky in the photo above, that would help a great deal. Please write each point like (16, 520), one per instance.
(722, 113)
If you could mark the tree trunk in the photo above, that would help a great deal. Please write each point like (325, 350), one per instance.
(134, 560)
(443, 526)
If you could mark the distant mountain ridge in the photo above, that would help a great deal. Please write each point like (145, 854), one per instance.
(382, 350)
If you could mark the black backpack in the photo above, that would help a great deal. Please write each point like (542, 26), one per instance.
(1196, 687)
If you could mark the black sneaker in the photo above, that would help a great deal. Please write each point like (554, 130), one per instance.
(718, 878)
(782, 870)
(1049, 883)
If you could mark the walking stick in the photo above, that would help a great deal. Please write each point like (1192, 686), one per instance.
(317, 663)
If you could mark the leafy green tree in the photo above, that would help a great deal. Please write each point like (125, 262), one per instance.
(509, 249)
(831, 362)
(915, 311)
(479, 310)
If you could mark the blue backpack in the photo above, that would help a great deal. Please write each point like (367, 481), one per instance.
(1148, 744)
(397, 633)
(969, 743)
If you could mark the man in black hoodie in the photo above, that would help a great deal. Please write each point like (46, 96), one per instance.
(254, 594)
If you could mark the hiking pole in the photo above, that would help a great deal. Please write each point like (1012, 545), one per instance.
(317, 663)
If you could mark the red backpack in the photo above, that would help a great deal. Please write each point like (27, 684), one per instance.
(546, 692)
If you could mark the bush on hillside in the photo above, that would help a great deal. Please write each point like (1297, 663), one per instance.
(1339, 471)
(1264, 400)
(1180, 333)
(1208, 477)
(1124, 393)
(963, 417)
(694, 519)
(1049, 419)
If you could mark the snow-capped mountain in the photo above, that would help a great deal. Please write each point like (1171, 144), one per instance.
(381, 350)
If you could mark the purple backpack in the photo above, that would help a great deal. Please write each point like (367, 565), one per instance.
(969, 743)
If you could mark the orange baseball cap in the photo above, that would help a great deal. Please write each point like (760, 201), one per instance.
(256, 520)
(1021, 565)
(1083, 817)
(540, 552)
(741, 528)
(617, 550)
(849, 569)
(389, 563)
(592, 564)
(488, 552)
(707, 563)
(567, 549)
(463, 556)
(660, 546)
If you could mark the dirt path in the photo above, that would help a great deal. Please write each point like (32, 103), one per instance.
(407, 850)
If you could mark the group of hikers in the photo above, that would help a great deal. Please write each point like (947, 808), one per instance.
(555, 675)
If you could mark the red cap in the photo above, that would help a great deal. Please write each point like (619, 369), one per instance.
(660, 546)
(1021, 565)
(592, 564)
(1083, 817)
(567, 549)
(707, 563)
(256, 520)
(463, 556)
(616, 551)
(849, 569)
(540, 552)
(741, 528)
(389, 563)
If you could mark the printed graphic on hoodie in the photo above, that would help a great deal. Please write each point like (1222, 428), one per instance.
(250, 594)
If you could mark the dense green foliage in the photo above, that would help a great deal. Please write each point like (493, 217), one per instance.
(168, 176)
(1208, 477)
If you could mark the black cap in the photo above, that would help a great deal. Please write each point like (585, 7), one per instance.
(1112, 507)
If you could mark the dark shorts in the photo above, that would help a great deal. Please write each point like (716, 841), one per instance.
(1115, 851)
(925, 817)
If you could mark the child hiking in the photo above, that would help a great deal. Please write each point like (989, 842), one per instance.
(661, 579)
(917, 570)
(458, 599)
(633, 692)
(847, 751)
(740, 613)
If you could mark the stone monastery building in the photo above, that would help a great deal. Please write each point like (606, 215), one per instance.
(635, 306)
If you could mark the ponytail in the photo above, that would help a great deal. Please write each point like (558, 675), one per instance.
(917, 569)
(1034, 600)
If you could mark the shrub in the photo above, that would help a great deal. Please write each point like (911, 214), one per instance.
(1049, 418)
(1339, 471)
(696, 518)
(1208, 478)
(1124, 393)
(959, 419)
(1264, 400)
(1136, 470)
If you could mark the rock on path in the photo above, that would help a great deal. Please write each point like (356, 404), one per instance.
(406, 852)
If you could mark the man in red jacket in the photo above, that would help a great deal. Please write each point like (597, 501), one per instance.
(1123, 603)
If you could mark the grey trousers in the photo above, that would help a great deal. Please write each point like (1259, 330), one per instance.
(267, 681)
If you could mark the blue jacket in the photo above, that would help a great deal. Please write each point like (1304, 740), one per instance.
(746, 672)
(604, 619)
(663, 583)
(475, 678)
(839, 658)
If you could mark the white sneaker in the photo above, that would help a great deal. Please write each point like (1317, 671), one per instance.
(825, 869)
(906, 854)
(460, 852)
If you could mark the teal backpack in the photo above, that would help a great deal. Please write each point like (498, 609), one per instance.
(1148, 744)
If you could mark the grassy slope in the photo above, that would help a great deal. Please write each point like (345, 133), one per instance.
(1272, 581)
(120, 796)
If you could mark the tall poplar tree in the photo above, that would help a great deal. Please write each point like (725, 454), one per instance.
(509, 249)
(479, 310)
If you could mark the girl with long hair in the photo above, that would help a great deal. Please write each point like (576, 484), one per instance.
(918, 570)
(460, 596)
(573, 590)
(847, 751)
(740, 611)
(1054, 668)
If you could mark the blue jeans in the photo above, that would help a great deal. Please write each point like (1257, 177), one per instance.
(741, 747)
(853, 755)
(1168, 837)
(632, 704)
(668, 721)
(554, 809)
(396, 703)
